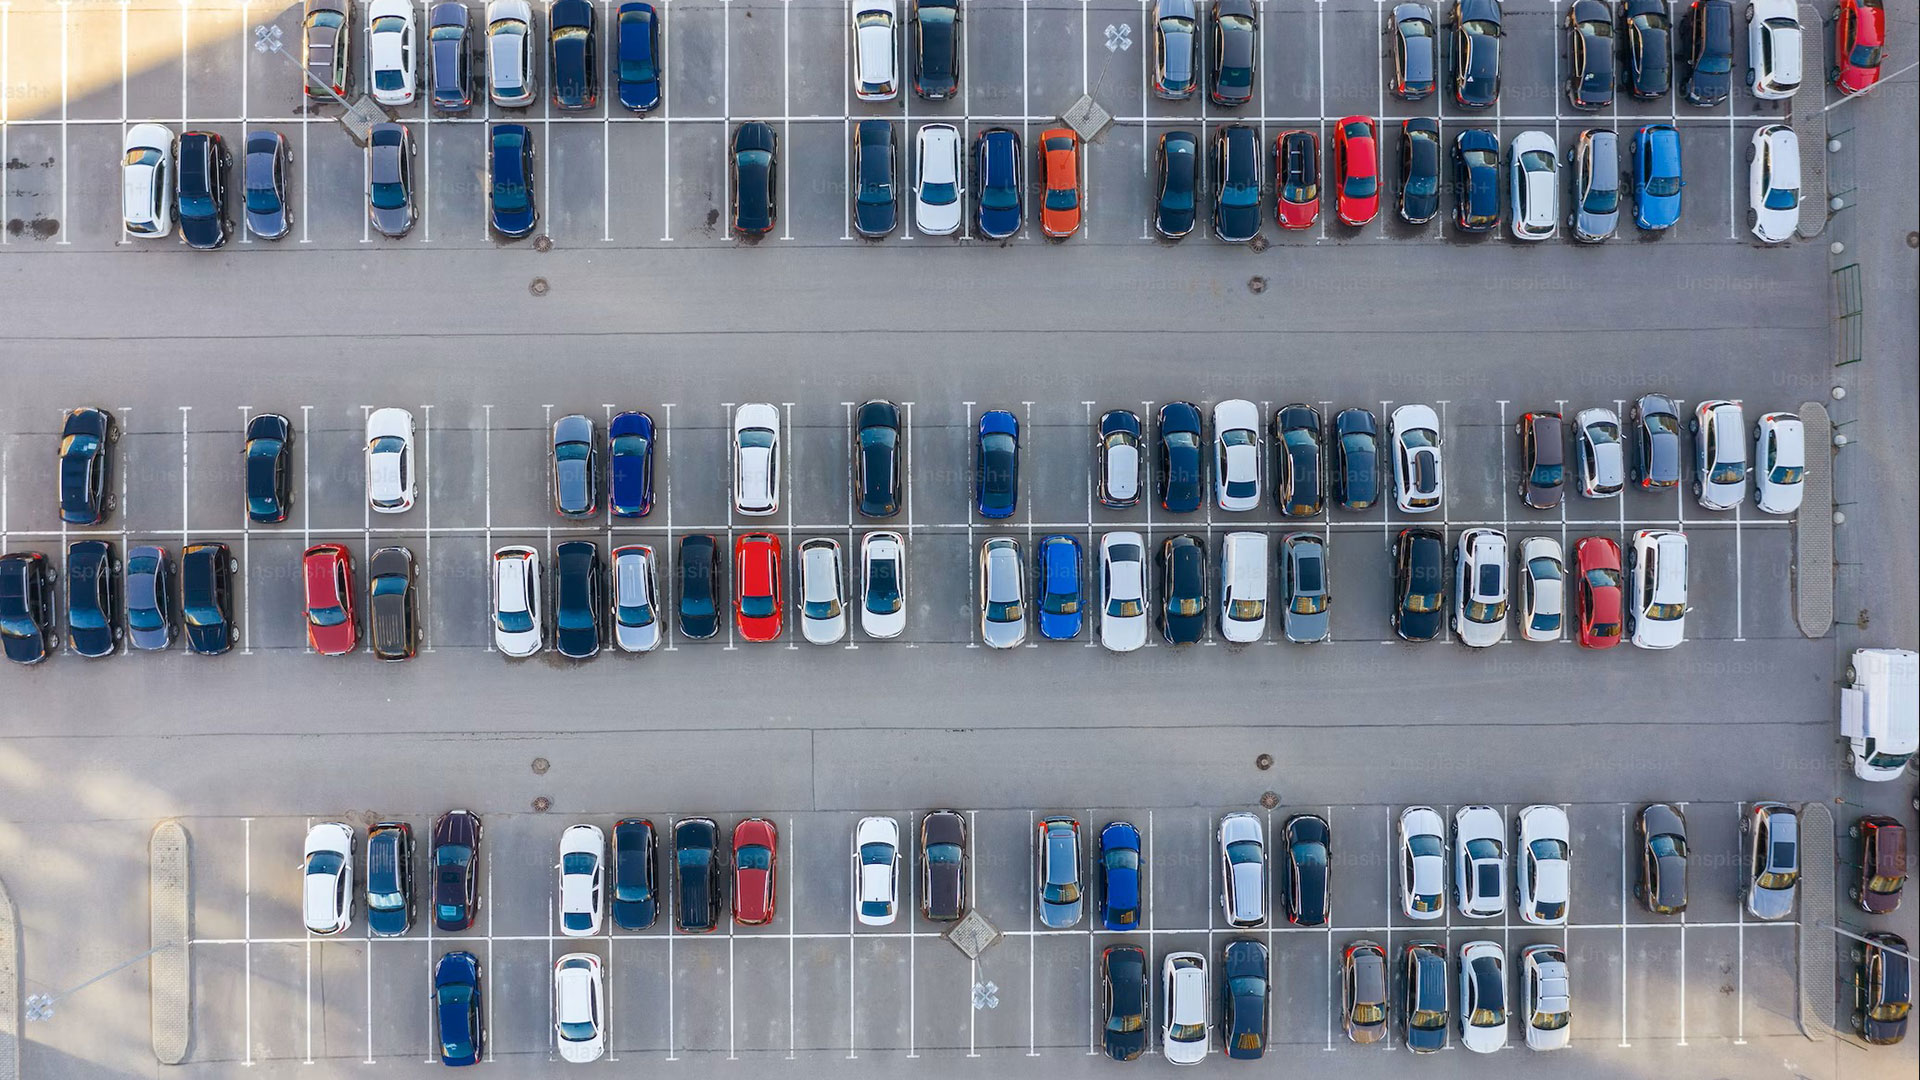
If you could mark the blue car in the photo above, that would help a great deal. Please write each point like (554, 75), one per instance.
(510, 180)
(1060, 599)
(1180, 464)
(630, 443)
(458, 1009)
(1656, 177)
(1476, 180)
(996, 163)
(996, 468)
(637, 75)
(1120, 876)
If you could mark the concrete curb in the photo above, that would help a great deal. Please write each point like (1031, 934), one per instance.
(1813, 528)
(169, 971)
(1816, 972)
(9, 988)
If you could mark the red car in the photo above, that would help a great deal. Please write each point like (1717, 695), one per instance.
(756, 844)
(1356, 169)
(328, 570)
(1598, 598)
(1296, 167)
(756, 573)
(1859, 33)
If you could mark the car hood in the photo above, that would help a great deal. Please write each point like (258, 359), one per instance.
(1771, 903)
(318, 892)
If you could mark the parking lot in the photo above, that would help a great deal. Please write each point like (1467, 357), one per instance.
(608, 178)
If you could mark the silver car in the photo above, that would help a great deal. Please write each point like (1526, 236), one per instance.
(1305, 589)
(1600, 453)
(1719, 431)
(1479, 862)
(1423, 863)
(510, 52)
(1594, 167)
(1770, 837)
(1123, 591)
(636, 609)
(1541, 572)
(1480, 588)
(518, 629)
(1003, 576)
(823, 611)
(1243, 870)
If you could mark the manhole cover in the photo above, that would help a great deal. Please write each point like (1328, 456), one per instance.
(543, 242)
(1256, 284)
(541, 804)
(1263, 762)
(1258, 243)
(1270, 799)
(973, 934)
(539, 286)
(540, 766)
(1913, 239)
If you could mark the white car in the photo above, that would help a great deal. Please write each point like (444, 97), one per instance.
(1600, 453)
(1483, 996)
(1243, 870)
(1780, 462)
(940, 180)
(391, 481)
(876, 870)
(510, 52)
(636, 605)
(1533, 172)
(1657, 603)
(1549, 997)
(1773, 49)
(1719, 454)
(583, 878)
(875, 72)
(1243, 587)
(146, 181)
(883, 592)
(756, 460)
(1123, 591)
(1479, 862)
(390, 51)
(579, 1009)
(1773, 183)
(326, 888)
(823, 611)
(1236, 454)
(1541, 568)
(1003, 576)
(1415, 432)
(1480, 588)
(1423, 863)
(1543, 866)
(518, 629)
(1185, 1035)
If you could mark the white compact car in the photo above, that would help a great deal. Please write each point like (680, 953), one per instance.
(1780, 462)
(756, 460)
(636, 607)
(1243, 587)
(1185, 1036)
(1423, 863)
(146, 181)
(876, 870)
(1542, 572)
(883, 591)
(940, 180)
(518, 629)
(583, 874)
(875, 71)
(1543, 865)
(1773, 183)
(1483, 996)
(326, 889)
(510, 53)
(1719, 454)
(1480, 588)
(823, 610)
(1479, 862)
(1003, 596)
(1657, 607)
(1549, 997)
(1243, 870)
(1600, 453)
(1533, 168)
(1123, 591)
(391, 482)
(1415, 432)
(391, 52)
(579, 1008)
(1773, 49)
(1236, 454)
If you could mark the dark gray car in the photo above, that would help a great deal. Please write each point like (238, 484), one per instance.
(576, 467)
(1413, 51)
(943, 865)
(268, 216)
(326, 29)
(1543, 460)
(149, 598)
(450, 51)
(1304, 587)
(1663, 859)
(1655, 421)
(390, 179)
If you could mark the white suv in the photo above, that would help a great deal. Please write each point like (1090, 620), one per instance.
(1533, 165)
(390, 51)
(1719, 454)
(327, 878)
(1480, 588)
(940, 180)
(756, 460)
(1780, 462)
(391, 482)
(1773, 49)
(1657, 610)
(875, 75)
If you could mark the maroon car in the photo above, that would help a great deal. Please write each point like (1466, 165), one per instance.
(1883, 864)
(456, 866)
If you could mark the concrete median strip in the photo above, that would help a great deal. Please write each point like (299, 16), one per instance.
(1818, 952)
(9, 988)
(1813, 528)
(169, 974)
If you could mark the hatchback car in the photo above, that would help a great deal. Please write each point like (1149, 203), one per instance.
(151, 623)
(1236, 183)
(757, 604)
(1656, 177)
(390, 153)
(1882, 988)
(1356, 459)
(876, 209)
(1476, 53)
(875, 75)
(996, 464)
(700, 562)
(1176, 48)
(1058, 577)
(1859, 39)
(1179, 463)
(1363, 991)
(581, 890)
(1647, 38)
(1780, 462)
(1126, 1001)
(1719, 430)
(575, 467)
(326, 878)
(1306, 588)
(630, 446)
(579, 599)
(1415, 51)
(940, 180)
(756, 460)
(1119, 870)
(1119, 449)
(518, 629)
(883, 585)
(1593, 175)
(1003, 617)
(1057, 872)
(756, 178)
(390, 52)
(1773, 49)
(1243, 870)
(1773, 183)
(459, 1009)
(1306, 885)
(876, 870)
(1709, 46)
(456, 870)
(449, 54)
(327, 571)
(265, 175)
(146, 181)
(268, 456)
(1059, 183)
(1185, 1036)
(1123, 591)
(943, 865)
(1542, 579)
(636, 603)
(1356, 169)
(393, 626)
(1480, 589)
(1236, 45)
(998, 195)
(511, 211)
(636, 57)
(1419, 584)
(326, 39)
(85, 461)
(1662, 880)
(936, 49)
(1415, 433)
(1599, 452)
(1299, 486)
(1242, 603)
(1549, 997)
(699, 889)
(93, 598)
(1543, 865)
(573, 54)
(1423, 863)
(1533, 173)
(1655, 420)
(579, 1008)
(510, 77)
(1657, 613)
(1419, 196)
(1179, 172)
(1183, 574)
(391, 480)
(201, 189)
(1424, 1017)
(1770, 837)
(1590, 48)
(1483, 996)
(636, 890)
(1236, 454)
(1244, 992)
(1476, 180)
(1479, 862)
(756, 861)
(1542, 459)
(1296, 166)
(206, 597)
(823, 609)
(1599, 601)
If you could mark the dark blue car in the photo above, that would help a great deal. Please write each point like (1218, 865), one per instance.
(86, 466)
(579, 598)
(1476, 180)
(630, 446)
(996, 163)
(876, 206)
(636, 898)
(206, 597)
(1120, 876)
(458, 1009)
(996, 470)
(573, 57)
(637, 72)
(1179, 465)
(269, 467)
(1244, 990)
(449, 50)
(1656, 177)
(1356, 459)
(1059, 576)
(93, 598)
(510, 180)
(1179, 176)
(1709, 52)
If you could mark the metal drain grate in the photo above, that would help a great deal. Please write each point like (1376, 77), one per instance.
(973, 934)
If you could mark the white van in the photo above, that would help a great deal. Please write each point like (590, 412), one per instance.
(1243, 587)
(1880, 711)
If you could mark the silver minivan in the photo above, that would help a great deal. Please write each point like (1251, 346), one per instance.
(1243, 587)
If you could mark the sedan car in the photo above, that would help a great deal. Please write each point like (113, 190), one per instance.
(575, 467)
(1647, 38)
(1770, 837)
(700, 890)
(940, 180)
(1236, 45)
(1598, 598)
(573, 54)
(1656, 177)
(1543, 868)
(1719, 430)
(1243, 870)
(326, 38)
(636, 57)
(579, 599)
(1656, 442)
(1773, 49)
(393, 625)
(1236, 454)
(636, 601)
(1059, 183)
(1183, 606)
(1299, 487)
(1356, 169)
(756, 460)
(1058, 579)
(1424, 1017)
(1662, 881)
(1780, 462)
(85, 462)
(1593, 176)
(326, 878)
(510, 53)
(518, 629)
(1542, 459)
(1657, 613)
(1119, 870)
(823, 609)
(1859, 40)
(1479, 862)
(943, 865)
(146, 181)
(1709, 47)
(327, 571)
(1236, 183)
(1306, 590)
(390, 878)
(449, 50)
(1363, 991)
(876, 463)
(390, 180)
(1179, 463)
(1423, 863)
(459, 1009)
(1179, 172)
(201, 189)
(875, 73)
(1126, 1001)
(936, 49)
(149, 598)
(1882, 988)
(1476, 53)
(1419, 197)
(700, 561)
(636, 891)
(391, 480)
(1176, 47)
(1119, 434)
(1483, 996)
(756, 859)
(583, 880)
(1415, 51)
(1242, 600)
(265, 174)
(757, 604)
(883, 588)
(579, 1008)
(876, 207)
(1244, 992)
(996, 464)
(1419, 584)
(511, 212)
(1600, 452)
(456, 864)
(1185, 1036)
(1003, 619)
(390, 52)
(1305, 886)
(1542, 577)
(1415, 433)
(756, 177)
(1590, 48)
(268, 459)
(1057, 872)
(1533, 174)
(1773, 183)
(1296, 165)
(998, 210)
(206, 597)
(93, 598)
(1123, 591)
(1476, 180)
(1480, 588)
(1356, 456)
(630, 446)
(876, 870)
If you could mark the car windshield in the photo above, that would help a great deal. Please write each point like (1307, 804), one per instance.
(1239, 195)
(1120, 859)
(572, 451)
(202, 614)
(324, 863)
(263, 200)
(876, 853)
(1243, 851)
(1369, 1012)
(1186, 1032)
(757, 607)
(1361, 187)
(753, 857)
(1666, 844)
(1308, 605)
(1548, 850)
(945, 854)
(576, 1030)
(692, 858)
(1060, 892)
(1424, 844)
(999, 198)
(1784, 198)
(1546, 1021)
(1481, 612)
(1663, 186)
(938, 194)
(390, 585)
(1728, 472)
(1307, 854)
(1245, 610)
(821, 609)
(331, 615)
(1665, 612)
(1785, 474)
(1062, 198)
(1060, 603)
(1003, 611)
(1864, 56)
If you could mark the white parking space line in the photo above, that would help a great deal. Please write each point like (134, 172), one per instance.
(246, 547)
(1626, 844)
(246, 924)
(665, 11)
(786, 110)
(666, 448)
(853, 967)
(64, 13)
(486, 452)
(1033, 891)
(426, 559)
(793, 552)
(309, 941)
(1320, 72)
(793, 872)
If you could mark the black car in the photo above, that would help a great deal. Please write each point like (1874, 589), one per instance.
(1419, 170)
(26, 606)
(1709, 55)
(149, 598)
(636, 896)
(395, 627)
(936, 49)
(1662, 884)
(1356, 459)
(1179, 464)
(697, 877)
(1649, 48)
(269, 454)
(390, 179)
(756, 177)
(449, 54)
(877, 463)
(1476, 53)
(576, 467)
(876, 207)
(1424, 1019)
(573, 54)
(1419, 584)
(510, 153)
(1304, 887)
(202, 189)
(637, 70)
(1183, 575)
(1244, 991)
(86, 466)
(1123, 981)
(579, 598)
(1299, 488)
(93, 598)
(1236, 183)
(1173, 209)
(456, 870)
(268, 215)
(1655, 421)
(206, 597)
(943, 866)
(1476, 180)
(1236, 39)
(1882, 988)
(699, 586)
(390, 878)
(1415, 46)
(1589, 55)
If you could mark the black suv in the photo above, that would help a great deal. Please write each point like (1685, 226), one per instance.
(395, 628)
(93, 598)
(26, 606)
(206, 597)
(1419, 584)
(697, 876)
(202, 171)
(878, 464)
(86, 466)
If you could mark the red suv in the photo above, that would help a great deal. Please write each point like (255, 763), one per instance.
(328, 570)
(756, 602)
(1859, 32)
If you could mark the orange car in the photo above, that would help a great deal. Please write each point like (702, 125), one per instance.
(1060, 179)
